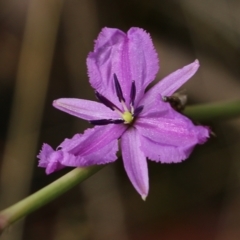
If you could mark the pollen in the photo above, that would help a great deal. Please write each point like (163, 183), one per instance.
(127, 117)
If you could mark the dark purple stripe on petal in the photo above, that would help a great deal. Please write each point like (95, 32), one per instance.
(137, 111)
(117, 121)
(118, 88)
(101, 121)
(133, 93)
(105, 101)
(106, 121)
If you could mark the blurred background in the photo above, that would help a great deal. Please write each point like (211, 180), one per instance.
(43, 49)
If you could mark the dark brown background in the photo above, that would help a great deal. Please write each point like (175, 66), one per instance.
(43, 49)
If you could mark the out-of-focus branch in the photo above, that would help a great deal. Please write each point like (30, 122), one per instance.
(29, 96)
(214, 111)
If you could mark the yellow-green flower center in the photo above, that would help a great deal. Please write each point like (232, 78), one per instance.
(127, 117)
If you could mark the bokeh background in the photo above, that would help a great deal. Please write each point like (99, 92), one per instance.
(43, 49)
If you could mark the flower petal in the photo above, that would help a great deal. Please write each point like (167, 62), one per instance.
(104, 155)
(135, 162)
(154, 106)
(143, 58)
(164, 153)
(97, 145)
(178, 131)
(49, 159)
(130, 56)
(85, 109)
(105, 61)
(93, 139)
(171, 83)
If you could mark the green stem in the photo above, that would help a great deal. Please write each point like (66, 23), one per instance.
(214, 111)
(45, 195)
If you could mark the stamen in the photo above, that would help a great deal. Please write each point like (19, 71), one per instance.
(117, 121)
(133, 93)
(124, 106)
(118, 89)
(138, 110)
(106, 102)
(106, 121)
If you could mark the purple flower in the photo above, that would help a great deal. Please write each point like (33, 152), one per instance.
(120, 68)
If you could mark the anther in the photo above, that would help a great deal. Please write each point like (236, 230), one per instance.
(138, 110)
(118, 89)
(133, 93)
(105, 101)
(106, 121)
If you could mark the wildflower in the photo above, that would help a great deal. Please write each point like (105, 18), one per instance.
(120, 68)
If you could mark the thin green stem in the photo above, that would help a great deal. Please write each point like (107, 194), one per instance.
(214, 111)
(45, 195)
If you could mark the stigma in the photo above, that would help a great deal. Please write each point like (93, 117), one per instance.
(127, 117)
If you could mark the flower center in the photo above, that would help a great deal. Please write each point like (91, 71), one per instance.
(127, 116)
